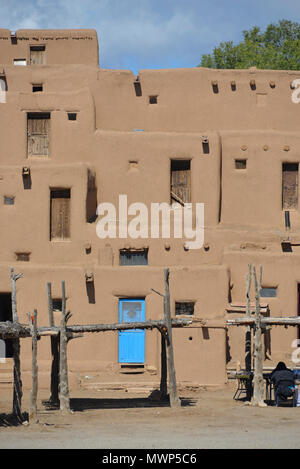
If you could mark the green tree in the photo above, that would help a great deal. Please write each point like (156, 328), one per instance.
(277, 48)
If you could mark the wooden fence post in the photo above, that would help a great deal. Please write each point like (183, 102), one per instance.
(163, 371)
(54, 391)
(17, 392)
(174, 399)
(63, 363)
(258, 393)
(248, 345)
(33, 395)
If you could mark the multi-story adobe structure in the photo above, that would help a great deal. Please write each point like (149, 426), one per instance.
(74, 135)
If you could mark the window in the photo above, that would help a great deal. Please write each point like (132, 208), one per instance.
(37, 55)
(60, 214)
(38, 130)
(9, 200)
(37, 88)
(290, 186)
(240, 164)
(23, 256)
(153, 99)
(137, 87)
(268, 292)
(134, 257)
(57, 304)
(181, 181)
(21, 62)
(72, 116)
(184, 307)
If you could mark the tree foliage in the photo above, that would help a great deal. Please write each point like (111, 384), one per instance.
(277, 48)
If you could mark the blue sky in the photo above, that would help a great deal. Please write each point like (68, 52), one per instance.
(148, 34)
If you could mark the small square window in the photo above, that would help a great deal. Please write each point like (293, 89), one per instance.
(268, 292)
(134, 257)
(57, 304)
(23, 256)
(72, 116)
(240, 164)
(9, 200)
(36, 88)
(21, 62)
(184, 307)
(153, 99)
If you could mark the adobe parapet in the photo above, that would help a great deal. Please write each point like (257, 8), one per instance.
(51, 47)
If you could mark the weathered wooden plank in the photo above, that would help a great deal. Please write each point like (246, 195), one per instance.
(174, 399)
(258, 381)
(64, 397)
(17, 389)
(54, 380)
(34, 373)
(248, 333)
(290, 186)
(60, 214)
(10, 330)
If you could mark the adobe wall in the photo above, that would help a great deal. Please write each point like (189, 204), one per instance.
(127, 144)
(63, 47)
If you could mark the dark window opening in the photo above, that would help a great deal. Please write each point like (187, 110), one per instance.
(268, 292)
(153, 99)
(215, 87)
(9, 200)
(181, 181)
(133, 257)
(184, 307)
(290, 186)
(6, 346)
(57, 304)
(137, 87)
(72, 116)
(23, 256)
(60, 213)
(205, 145)
(91, 203)
(37, 88)
(240, 164)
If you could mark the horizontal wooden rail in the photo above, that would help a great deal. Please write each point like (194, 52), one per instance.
(9, 330)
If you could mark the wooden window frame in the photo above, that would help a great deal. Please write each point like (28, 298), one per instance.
(60, 231)
(176, 194)
(37, 48)
(133, 252)
(36, 138)
(290, 186)
(185, 303)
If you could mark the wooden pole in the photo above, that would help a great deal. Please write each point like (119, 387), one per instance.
(248, 334)
(258, 393)
(163, 378)
(54, 384)
(34, 390)
(17, 391)
(63, 363)
(174, 399)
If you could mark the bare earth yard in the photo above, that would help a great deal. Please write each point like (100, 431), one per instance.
(208, 418)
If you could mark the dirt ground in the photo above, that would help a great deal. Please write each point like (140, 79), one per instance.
(208, 418)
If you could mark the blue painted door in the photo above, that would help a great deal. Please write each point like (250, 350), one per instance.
(132, 341)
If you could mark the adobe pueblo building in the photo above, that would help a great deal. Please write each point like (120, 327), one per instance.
(74, 136)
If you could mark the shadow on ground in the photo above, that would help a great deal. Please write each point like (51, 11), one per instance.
(82, 404)
(79, 405)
